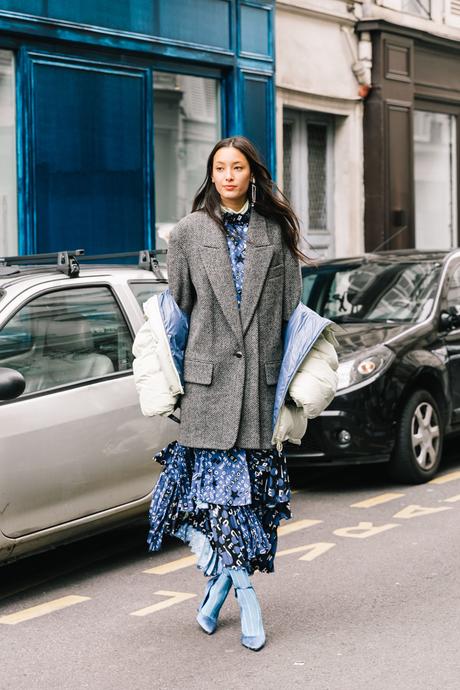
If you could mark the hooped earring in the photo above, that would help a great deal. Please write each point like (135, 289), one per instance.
(253, 192)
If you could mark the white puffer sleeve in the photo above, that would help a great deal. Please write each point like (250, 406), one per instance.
(315, 382)
(156, 379)
(311, 390)
(291, 425)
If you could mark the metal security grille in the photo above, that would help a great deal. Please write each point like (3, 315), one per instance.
(455, 7)
(287, 159)
(317, 176)
(420, 7)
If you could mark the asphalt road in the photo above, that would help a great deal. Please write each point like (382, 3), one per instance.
(366, 595)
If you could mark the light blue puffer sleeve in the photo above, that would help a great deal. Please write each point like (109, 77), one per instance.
(292, 283)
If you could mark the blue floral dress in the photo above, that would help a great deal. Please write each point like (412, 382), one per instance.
(227, 504)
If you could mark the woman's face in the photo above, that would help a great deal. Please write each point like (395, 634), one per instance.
(231, 175)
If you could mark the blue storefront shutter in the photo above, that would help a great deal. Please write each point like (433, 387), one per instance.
(89, 165)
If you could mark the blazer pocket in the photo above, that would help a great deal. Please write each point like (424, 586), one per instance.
(197, 371)
(272, 370)
(275, 271)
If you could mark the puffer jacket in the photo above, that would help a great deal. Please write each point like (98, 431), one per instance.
(307, 380)
(306, 384)
(159, 349)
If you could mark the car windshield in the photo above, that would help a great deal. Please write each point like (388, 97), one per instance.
(387, 292)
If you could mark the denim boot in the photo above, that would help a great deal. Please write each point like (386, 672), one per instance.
(215, 594)
(252, 629)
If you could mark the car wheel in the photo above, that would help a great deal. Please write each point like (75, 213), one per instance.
(419, 437)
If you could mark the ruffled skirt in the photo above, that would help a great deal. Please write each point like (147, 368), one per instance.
(226, 505)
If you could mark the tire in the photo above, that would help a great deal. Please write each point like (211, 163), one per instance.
(419, 440)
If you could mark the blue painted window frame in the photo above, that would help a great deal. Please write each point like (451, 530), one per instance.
(123, 50)
(100, 34)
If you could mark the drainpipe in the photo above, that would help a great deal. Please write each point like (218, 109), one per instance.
(362, 59)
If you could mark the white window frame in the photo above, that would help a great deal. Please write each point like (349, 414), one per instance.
(452, 12)
(398, 6)
(321, 239)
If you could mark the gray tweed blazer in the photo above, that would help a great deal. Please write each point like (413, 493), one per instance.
(233, 355)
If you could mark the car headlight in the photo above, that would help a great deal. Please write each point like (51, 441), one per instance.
(362, 370)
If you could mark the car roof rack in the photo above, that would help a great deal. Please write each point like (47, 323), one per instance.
(65, 262)
(68, 262)
(146, 259)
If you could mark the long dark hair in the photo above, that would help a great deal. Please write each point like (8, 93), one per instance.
(270, 201)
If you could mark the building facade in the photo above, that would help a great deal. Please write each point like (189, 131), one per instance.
(411, 124)
(322, 75)
(108, 111)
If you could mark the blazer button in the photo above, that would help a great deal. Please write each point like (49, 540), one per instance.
(238, 354)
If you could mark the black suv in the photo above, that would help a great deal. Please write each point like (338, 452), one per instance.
(399, 354)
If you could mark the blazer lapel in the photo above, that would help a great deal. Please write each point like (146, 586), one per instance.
(259, 253)
(216, 260)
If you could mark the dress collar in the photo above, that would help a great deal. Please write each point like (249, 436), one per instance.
(242, 210)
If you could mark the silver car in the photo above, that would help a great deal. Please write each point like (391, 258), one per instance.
(75, 451)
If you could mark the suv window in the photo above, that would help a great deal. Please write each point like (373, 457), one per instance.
(66, 336)
(144, 290)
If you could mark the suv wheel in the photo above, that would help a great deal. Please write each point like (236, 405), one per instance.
(419, 437)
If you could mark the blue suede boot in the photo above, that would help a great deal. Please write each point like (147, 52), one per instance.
(215, 594)
(252, 629)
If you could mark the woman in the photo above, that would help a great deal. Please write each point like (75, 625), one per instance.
(234, 277)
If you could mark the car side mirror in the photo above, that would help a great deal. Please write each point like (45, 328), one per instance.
(12, 384)
(449, 319)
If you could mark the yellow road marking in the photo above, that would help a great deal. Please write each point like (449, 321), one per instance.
(377, 500)
(295, 549)
(314, 550)
(173, 598)
(296, 525)
(363, 530)
(41, 609)
(413, 511)
(187, 561)
(452, 499)
(172, 566)
(443, 479)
